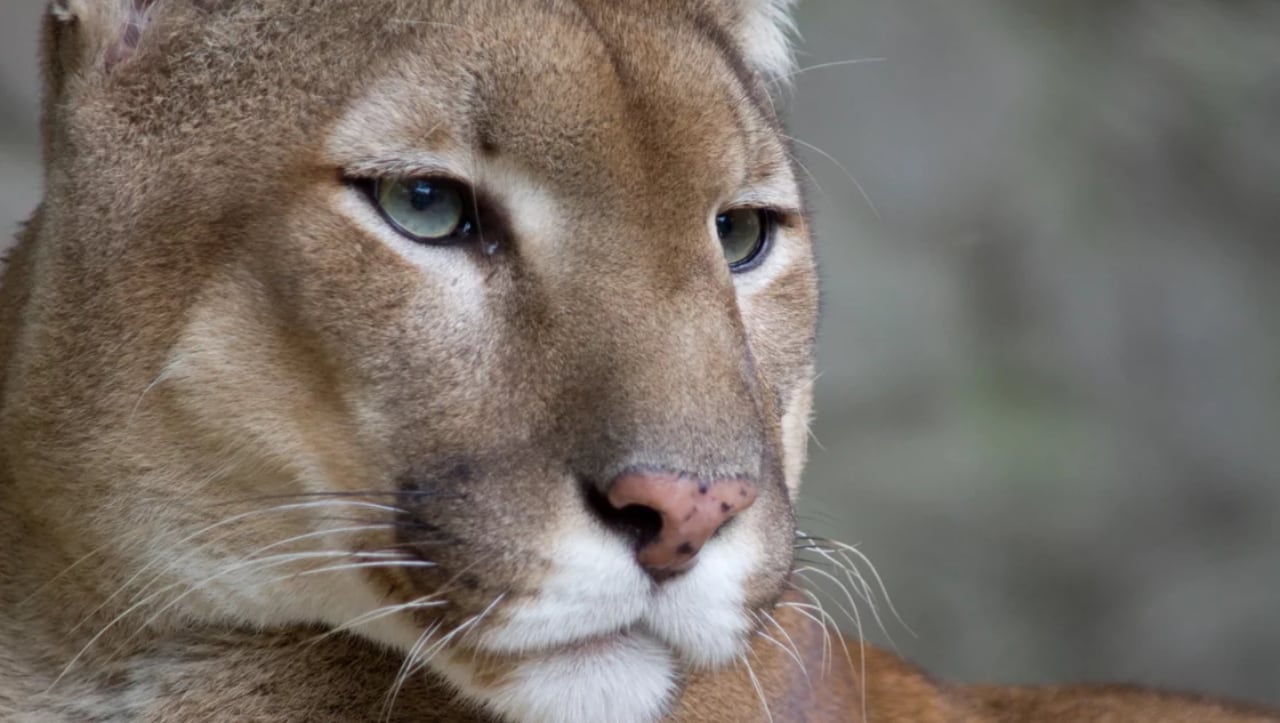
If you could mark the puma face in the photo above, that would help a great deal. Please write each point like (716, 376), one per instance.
(481, 330)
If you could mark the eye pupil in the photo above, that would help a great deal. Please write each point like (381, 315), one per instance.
(423, 195)
(724, 225)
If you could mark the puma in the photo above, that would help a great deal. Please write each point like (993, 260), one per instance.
(416, 361)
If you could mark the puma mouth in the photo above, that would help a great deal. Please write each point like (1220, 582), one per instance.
(588, 646)
(596, 645)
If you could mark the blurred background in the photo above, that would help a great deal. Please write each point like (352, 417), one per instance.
(1049, 408)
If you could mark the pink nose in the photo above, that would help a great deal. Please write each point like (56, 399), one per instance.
(691, 511)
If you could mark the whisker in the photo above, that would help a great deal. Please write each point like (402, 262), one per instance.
(790, 641)
(854, 576)
(349, 566)
(466, 627)
(407, 666)
(755, 683)
(67, 570)
(840, 561)
(815, 515)
(852, 610)
(862, 643)
(794, 655)
(389, 701)
(856, 184)
(175, 563)
(200, 548)
(265, 562)
(162, 376)
(807, 172)
(340, 495)
(426, 601)
(815, 604)
(848, 549)
(462, 629)
(800, 609)
(396, 561)
(821, 66)
(425, 657)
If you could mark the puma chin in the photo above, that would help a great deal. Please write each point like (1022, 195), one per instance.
(479, 332)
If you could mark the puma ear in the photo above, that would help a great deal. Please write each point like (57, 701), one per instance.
(764, 32)
(93, 34)
(81, 40)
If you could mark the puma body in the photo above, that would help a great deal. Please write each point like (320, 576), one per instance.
(423, 361)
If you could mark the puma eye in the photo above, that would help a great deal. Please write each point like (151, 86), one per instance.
(426, 210)
(744, 233)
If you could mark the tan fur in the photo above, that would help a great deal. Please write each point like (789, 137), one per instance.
(896, 691)
(214, 352)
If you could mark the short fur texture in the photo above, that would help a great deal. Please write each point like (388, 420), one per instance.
(262, 458)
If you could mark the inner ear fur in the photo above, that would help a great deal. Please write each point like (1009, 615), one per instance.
(764, 30)
(87, 35)
(82, 39)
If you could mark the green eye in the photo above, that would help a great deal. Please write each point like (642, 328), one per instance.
(426, 210)
(743, 233)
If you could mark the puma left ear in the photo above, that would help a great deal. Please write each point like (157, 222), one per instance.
(94, 34)
(82, 41)
(764, 30)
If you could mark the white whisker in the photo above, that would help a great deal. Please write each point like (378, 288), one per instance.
(423, 658)
(349, 566)
(209, 543)
(266, 562)
(102, 548)
(875, 574)
(856, 184)
(755, 683)
(276, 561)
(389, 701)
(852, 610)
(426, 601)
(854, 576)
(815, 604)
(794, 655)
(807, 172)
(799, 607)
(791, 641)
(862, 643)
(820, 66)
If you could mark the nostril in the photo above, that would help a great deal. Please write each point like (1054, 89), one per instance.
(641, 523)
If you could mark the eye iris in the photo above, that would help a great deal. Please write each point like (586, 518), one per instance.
(424, 209)
(742, 234)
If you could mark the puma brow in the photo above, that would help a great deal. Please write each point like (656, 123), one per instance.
(770, 198)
